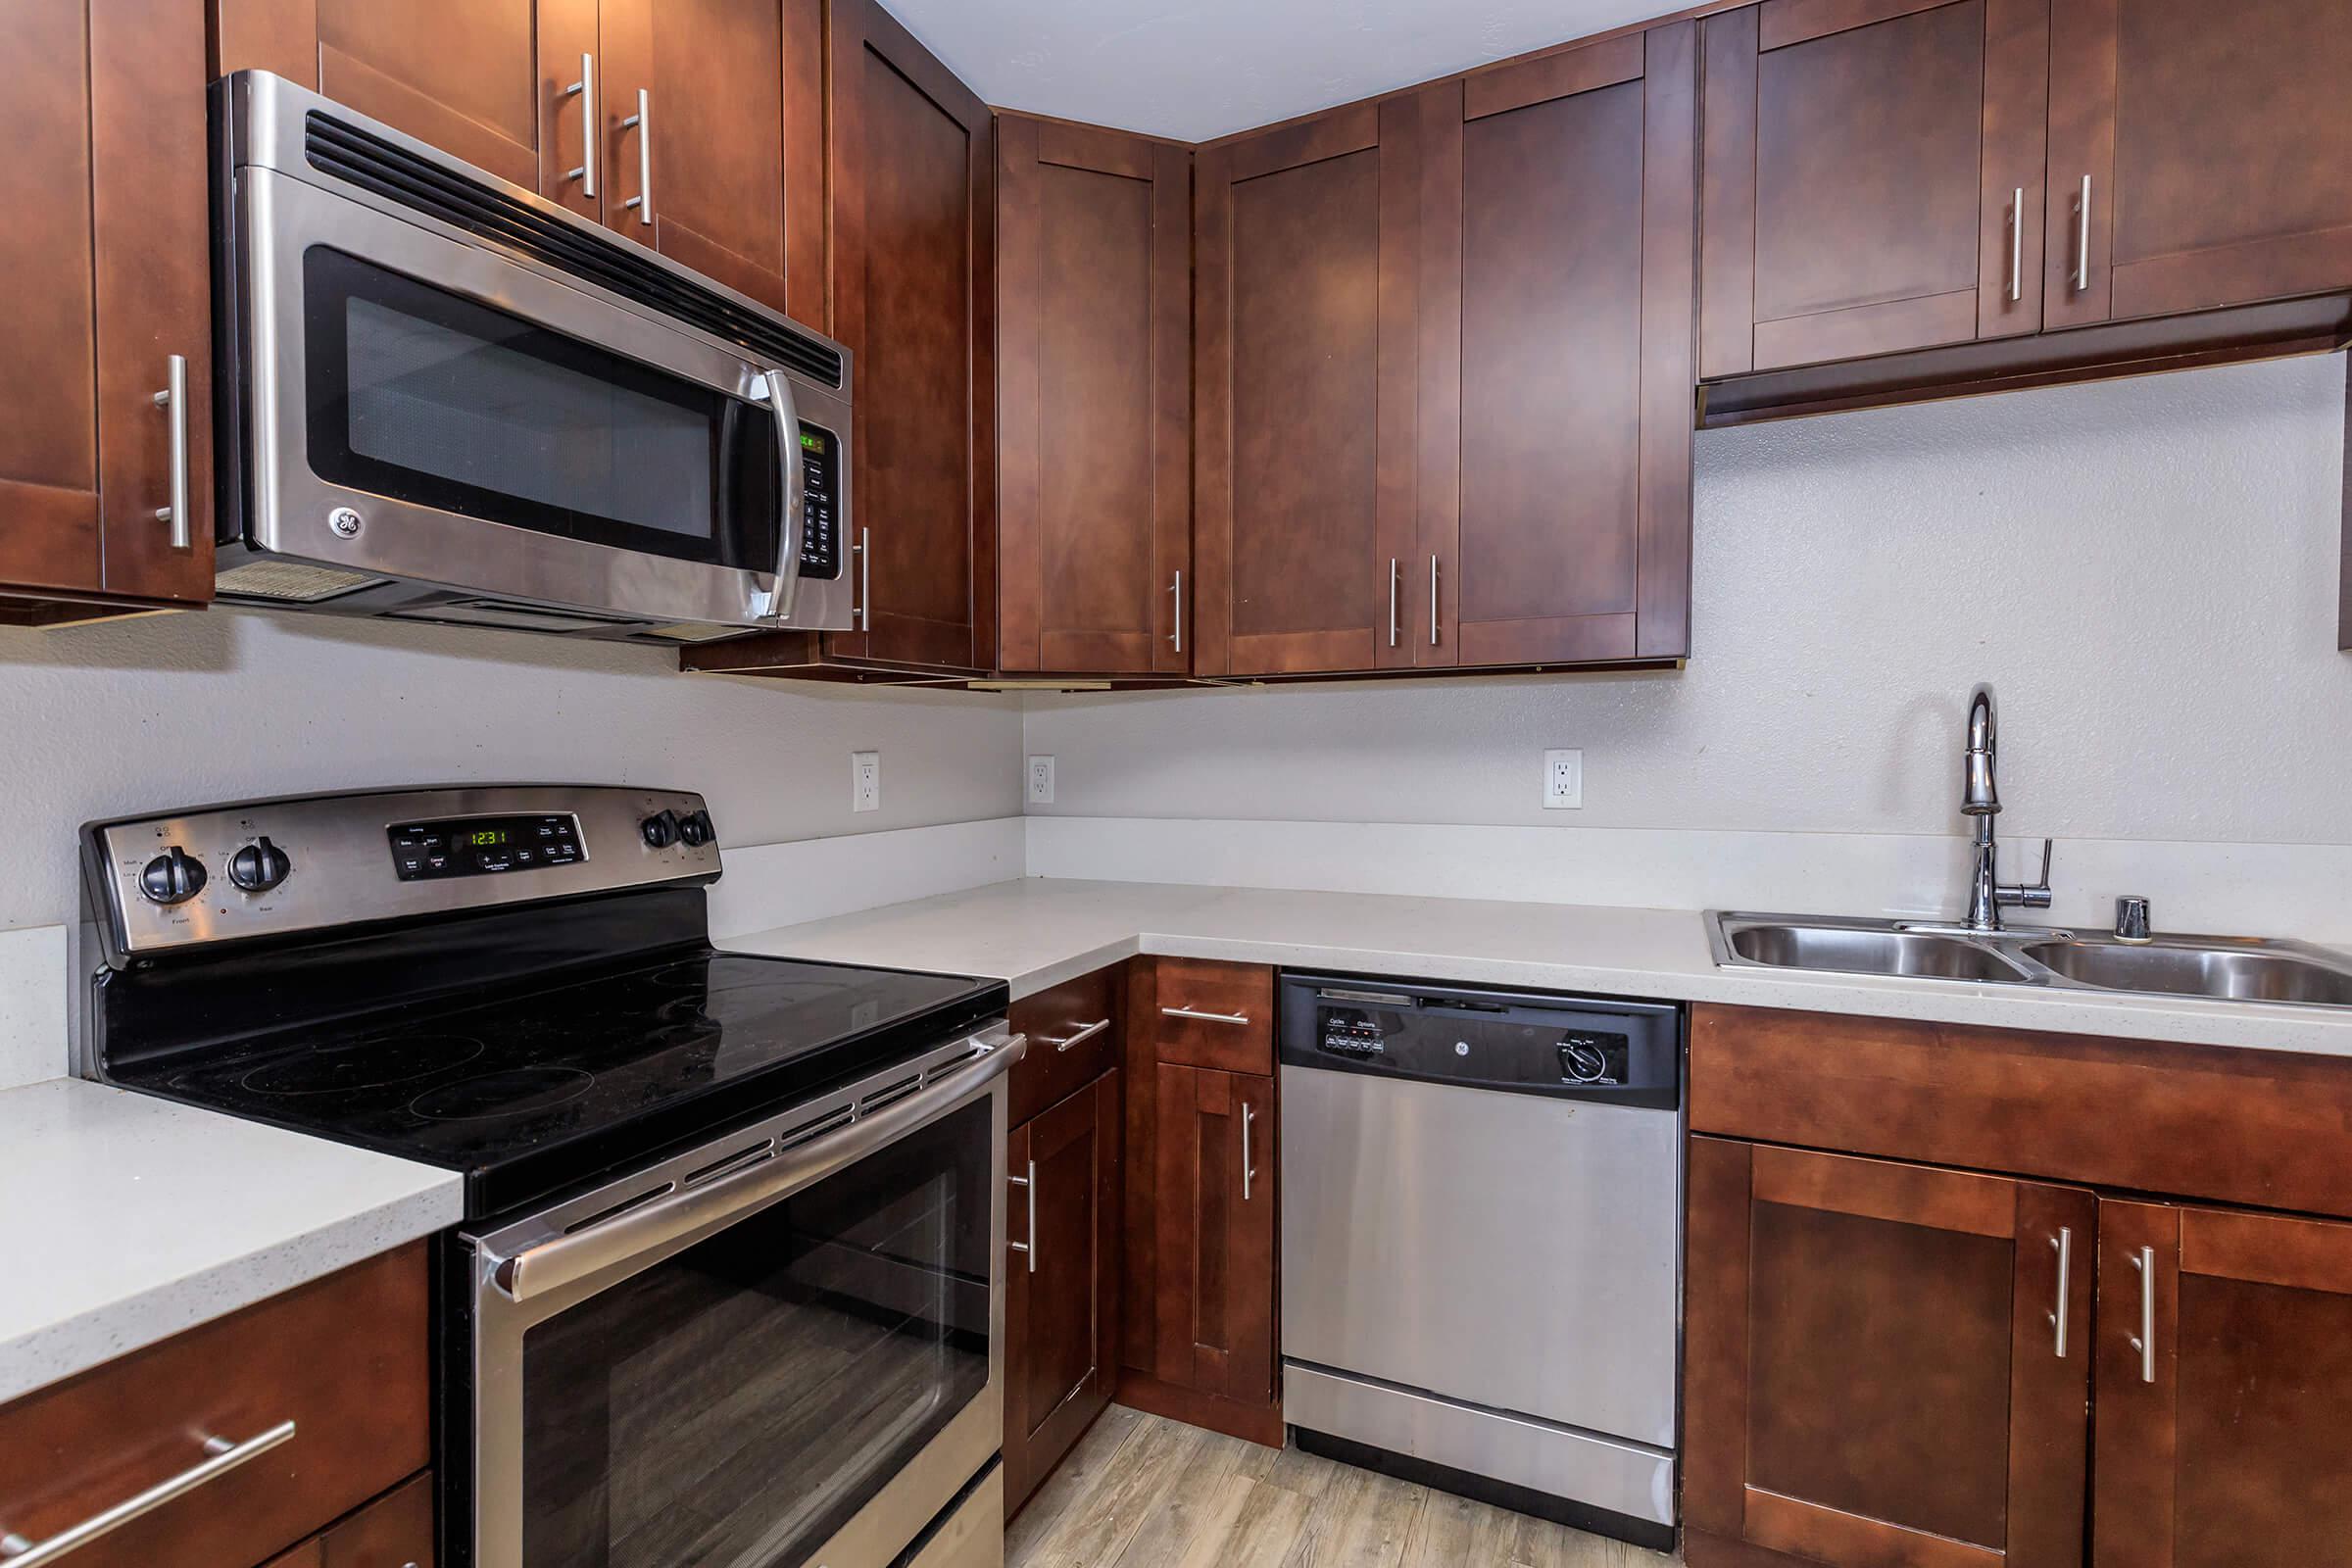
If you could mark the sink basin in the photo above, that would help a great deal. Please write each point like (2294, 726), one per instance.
(1868, 950)
(2186, 968)
(2210, 968)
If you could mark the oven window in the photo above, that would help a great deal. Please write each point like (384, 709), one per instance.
(424, 396)
(736, 1403)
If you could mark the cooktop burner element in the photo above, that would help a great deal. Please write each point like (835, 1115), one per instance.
(532, 1039)
(515, 1092)
(362, 1064)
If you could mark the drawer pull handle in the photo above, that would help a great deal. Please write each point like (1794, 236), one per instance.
(18, 1552)
(1080, 1038)
(1242, 1018)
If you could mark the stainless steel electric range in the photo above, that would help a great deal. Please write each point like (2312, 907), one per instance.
(729, 1286)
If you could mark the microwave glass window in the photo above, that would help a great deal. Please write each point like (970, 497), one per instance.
(740, 1402)
(426, 396)
(485, 413)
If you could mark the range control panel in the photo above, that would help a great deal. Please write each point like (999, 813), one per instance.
(1605, 1049)
(264, 868)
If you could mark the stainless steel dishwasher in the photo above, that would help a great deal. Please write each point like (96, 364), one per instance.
(1481, 1242)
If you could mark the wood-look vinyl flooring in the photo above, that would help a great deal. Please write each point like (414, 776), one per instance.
(1142, 1493)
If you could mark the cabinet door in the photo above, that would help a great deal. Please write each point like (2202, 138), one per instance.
(1866, 165)
(2217, 143)
(48, 423)
(462, 74)
(1882, 1365)
(2225, 1390)
(1305, 248)
(1559, 209)
(1094, 372)
(699, 176)
(1062, 1313)
(914, 298)
(1214, 1191)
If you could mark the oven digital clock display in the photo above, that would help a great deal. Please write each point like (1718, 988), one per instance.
(485, 845)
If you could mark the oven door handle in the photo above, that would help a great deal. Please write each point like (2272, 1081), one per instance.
(552, 1265)
(778, 391)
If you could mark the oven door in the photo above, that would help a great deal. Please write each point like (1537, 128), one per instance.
(798, 1361)
(425, 409)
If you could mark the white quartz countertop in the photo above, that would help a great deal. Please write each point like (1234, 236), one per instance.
(125, 1220)
(1036, 932)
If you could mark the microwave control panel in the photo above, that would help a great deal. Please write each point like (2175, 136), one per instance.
(820, 512)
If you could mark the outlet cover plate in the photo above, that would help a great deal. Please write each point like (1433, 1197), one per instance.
(1563, 781)
(1040, 781)
(865, 781)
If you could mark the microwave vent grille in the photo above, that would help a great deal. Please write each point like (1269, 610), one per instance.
(369, 162)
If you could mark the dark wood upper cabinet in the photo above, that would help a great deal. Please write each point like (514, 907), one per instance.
(1879, 1367)
(1093, 412)
(2217, 146)
(1061, 1312)
(1305, 245)
(709, 76)
(2223, 1439)
(1873, 178)
(915, 299)
(1557, 219)
(110, 242)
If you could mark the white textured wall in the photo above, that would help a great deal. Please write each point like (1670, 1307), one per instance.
(2145, 571)
(181, 710)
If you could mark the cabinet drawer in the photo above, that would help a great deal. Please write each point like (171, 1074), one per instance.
(342, 1359)
(1074, 1035)
(1203, 1014)
(396, 1531)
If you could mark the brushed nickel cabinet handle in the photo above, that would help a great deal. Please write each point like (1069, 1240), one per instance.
(2082, 239)
(1392, 600)
(2064, 1243)
(1080, 1038)
(1027, 1249)
(2017, 246)
(18, 1552)
(1433, 601)
(2144, 1342)
(863, 612)
(1176, 634)
(1248, 1170)
(1204, 1017)
(585, 89)
(173, 400)
(643, 122)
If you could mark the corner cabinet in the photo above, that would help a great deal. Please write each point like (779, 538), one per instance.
(106, 423)
(1444, 349)
(1897, 1362)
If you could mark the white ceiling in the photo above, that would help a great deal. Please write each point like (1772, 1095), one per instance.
(1198, 68)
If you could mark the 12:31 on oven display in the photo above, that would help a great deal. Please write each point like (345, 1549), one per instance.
(483, 846)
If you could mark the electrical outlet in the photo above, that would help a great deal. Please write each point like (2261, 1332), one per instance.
(1563, 781)
(865, 781)
(1040, 781)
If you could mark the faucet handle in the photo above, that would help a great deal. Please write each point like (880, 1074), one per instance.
(2031, 896)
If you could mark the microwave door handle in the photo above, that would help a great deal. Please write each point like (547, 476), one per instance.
(551, 1265)
(796, 491)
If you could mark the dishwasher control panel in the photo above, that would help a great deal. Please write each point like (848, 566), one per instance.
(1580, 1048)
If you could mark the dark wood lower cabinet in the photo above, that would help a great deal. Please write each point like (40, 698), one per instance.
(1875, 1365)
(1061, 1312)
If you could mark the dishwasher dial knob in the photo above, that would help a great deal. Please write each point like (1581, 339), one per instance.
(1582, 1062)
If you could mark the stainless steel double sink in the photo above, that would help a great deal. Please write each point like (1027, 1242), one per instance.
(2216, 969)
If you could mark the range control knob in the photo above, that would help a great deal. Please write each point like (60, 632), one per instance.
(258, 866)
(660, 830)
(1582, 1062)
(172, 877)
(696, 829)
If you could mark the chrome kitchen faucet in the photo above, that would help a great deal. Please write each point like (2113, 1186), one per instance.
(1981, 797)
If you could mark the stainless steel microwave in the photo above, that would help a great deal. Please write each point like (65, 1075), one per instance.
(443, 398)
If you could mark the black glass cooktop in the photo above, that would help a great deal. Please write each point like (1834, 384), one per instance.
(530, 1086)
